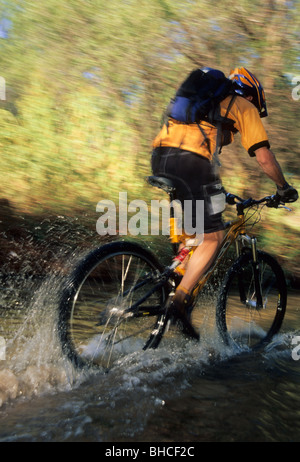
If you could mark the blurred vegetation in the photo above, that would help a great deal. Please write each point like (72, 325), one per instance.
(87, 82)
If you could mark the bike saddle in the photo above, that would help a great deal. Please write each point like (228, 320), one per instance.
(163, 183)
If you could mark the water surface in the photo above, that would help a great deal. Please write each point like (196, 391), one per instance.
(179, 393)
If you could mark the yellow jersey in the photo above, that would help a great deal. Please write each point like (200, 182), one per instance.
(189, 137)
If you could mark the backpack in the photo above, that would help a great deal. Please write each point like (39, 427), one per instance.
(199, 96)
(198, 99)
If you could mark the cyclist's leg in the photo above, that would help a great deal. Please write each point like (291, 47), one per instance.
(195, 180)
(199, 263)
(201, 260)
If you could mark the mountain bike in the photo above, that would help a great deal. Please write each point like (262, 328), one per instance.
(115, 302)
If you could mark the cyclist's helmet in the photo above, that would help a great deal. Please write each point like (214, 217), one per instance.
(246, 84)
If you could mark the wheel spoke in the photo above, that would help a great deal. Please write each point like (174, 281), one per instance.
(100, 327)
(250, 324)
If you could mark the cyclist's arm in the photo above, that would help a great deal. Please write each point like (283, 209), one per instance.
(270, 166)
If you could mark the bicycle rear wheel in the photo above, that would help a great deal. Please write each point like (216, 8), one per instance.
(98, 320)
(240, 318)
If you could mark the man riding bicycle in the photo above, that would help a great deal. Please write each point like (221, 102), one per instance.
(184, 153)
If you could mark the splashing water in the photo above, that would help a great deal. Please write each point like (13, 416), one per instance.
(32, 271)
(120, 405)
(138, 385)
(34, 363)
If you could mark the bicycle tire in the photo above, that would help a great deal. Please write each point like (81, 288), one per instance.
(99, 286)
(244, 323)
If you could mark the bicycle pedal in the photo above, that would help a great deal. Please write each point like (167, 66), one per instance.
(183, 318)
(176, 279)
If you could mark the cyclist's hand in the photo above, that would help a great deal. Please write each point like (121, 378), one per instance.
(230, 198)
(287, 193)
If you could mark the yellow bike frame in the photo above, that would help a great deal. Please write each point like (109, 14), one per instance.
(236, 232)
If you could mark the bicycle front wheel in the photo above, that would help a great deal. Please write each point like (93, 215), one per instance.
(110, 305)
(240, 317)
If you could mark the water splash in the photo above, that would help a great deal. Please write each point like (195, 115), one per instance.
(33, 265)
(34, 364)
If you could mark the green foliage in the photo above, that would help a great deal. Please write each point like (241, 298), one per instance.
(87, 83)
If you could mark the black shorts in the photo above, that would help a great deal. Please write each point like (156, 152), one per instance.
(196, 180)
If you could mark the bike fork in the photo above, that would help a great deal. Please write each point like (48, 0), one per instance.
(256, 274)
(256, 303)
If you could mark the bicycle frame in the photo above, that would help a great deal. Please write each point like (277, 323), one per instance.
(236, 233)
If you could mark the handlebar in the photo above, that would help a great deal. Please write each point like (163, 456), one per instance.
(242, 204)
